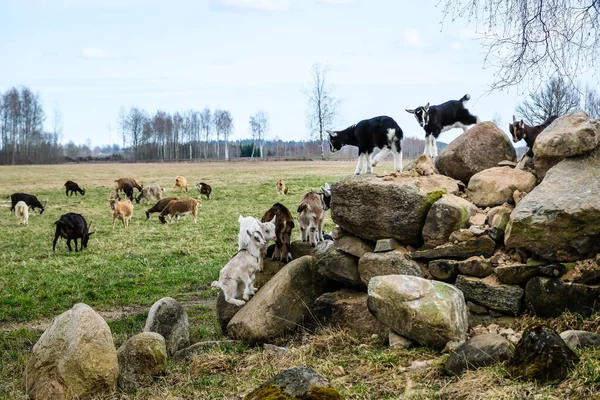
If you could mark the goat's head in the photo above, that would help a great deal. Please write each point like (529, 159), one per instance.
(326, 191)
(258, 239)
(268, 229)
(335, 142)
(86, 236)
(517, 129)
(421, 114)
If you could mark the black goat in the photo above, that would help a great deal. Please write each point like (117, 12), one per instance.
(128, 190)
(442, 117)
(520, 130)
(29, 199)
(72, 226)
(72, 187)
(204, 189)
(378, 132)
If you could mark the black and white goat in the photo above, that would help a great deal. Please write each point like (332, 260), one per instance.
(520, 130)
(441, 118)
(379, 132)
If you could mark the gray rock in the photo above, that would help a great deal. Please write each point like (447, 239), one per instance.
(490, 293)
(339, 232)
(479, 351)
(552, 270)
(480, 246)
(542, 356)
(168, 318)
(481, 147)
(515, 274)
(462, 235)
(494, 186)
(75, 356)
(300, 383)
(354, 201)
(476, 308)
(576, 339)
(384, 245)
(569, 135)
(560, 219)
(280, 305)
(346, 309)
(507, 163)
(397, 341)
(477, 230)
(353, 246)
(339, 266)
(142, 358)
(549, 297)
(444, 270)
(444, 217)
(390, 263)
(475, 266)
(299, 248)
(428, 312)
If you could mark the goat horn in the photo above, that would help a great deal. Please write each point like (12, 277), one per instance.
(514, 118)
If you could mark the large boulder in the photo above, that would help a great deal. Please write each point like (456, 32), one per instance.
(389, 263)
(550, 297)
(495, 186)
(428, 312)
(569, 135)
(516, 274)
(560, 218)
(296, 383)
(353, 245)
(346, 309)
(74, 357)
(481, 147)
(280, 305)
(142, 358)
(576, 339)
(541, 355)
(168, 318)
(479, 351)
(444, 217)
(339, 266)
(490, 293)
(393, 206)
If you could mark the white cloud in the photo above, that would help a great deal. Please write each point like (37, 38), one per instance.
(92, 53)
(412, 38)
(263, 5)
(455, 46)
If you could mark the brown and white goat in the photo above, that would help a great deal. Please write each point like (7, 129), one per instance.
(122, 210)
(179, 208)
(240, 270)
(181, 183)
(519, 130)
(22, 211)
(284, 223)
(159, 206)
(311, 214)
(204, 189)
(122, 181)
(281, 188)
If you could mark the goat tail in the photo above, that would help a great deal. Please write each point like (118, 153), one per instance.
(465, 98)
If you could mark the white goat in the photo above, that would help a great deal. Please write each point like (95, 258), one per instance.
(237, 276)
(251, 224)
(22, 211)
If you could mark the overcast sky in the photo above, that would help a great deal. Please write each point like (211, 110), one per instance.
(93, 57)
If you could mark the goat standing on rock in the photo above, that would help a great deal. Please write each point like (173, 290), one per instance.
(379, 132)
(311, 214)
(519, 130)
(251, 224)
(440, 118)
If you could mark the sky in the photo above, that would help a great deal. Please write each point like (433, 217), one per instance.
(90, 58)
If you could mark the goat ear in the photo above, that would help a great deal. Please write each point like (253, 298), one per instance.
(332, 133)
(521, 124)
(514, 118)
(426, 107)
(410, 111)
(327, 186)
(273, 220)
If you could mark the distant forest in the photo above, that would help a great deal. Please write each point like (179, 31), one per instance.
(162, 137)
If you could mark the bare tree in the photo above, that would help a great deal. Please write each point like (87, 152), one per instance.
(223, 127)
(259, 125)
(592, 102)
(205, 126)
(322, 106)
(529, 40)
(136, 125)
(556, 98)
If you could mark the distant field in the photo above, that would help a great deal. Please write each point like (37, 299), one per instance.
(148, 261)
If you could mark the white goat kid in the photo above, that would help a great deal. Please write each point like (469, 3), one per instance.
(237, 276)
(251, 224)
(22, 211)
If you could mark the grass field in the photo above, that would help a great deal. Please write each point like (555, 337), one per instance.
(124, 271)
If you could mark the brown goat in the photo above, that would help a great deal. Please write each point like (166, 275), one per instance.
(311, 214)
(159, 206)
(281, 188)
(181, 182)
(122, 210)
(181, 207)
(122, 181)
(284, 223)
